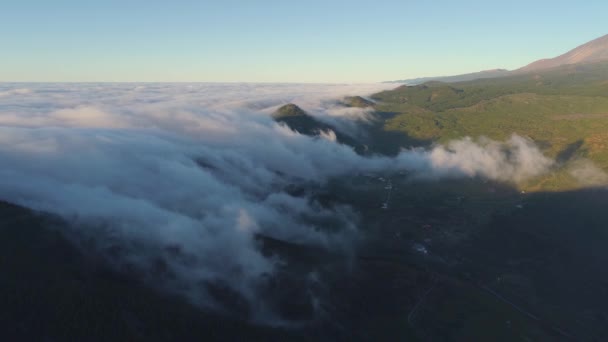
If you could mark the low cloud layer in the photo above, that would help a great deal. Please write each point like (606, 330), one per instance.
(177, 180)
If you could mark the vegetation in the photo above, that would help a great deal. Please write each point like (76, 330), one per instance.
(561, 109)
(357, 101)
(297, 119)
(536, 250)
(288, 110)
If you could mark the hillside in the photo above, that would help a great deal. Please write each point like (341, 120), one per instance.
(298, 120)
(57, 291)
(564, 109)
(457, 78)
(357, 101)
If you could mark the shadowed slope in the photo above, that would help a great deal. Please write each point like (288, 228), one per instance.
(298, 120)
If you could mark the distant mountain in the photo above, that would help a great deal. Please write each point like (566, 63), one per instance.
(457, 78)
(591, 52)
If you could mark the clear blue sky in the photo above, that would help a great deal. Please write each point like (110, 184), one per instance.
(283, 41)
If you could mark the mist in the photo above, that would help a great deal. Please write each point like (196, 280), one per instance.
(187, 175)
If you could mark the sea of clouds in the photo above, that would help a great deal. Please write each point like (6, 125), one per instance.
(185, 176)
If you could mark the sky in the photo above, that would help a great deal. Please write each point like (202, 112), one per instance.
(283, 41)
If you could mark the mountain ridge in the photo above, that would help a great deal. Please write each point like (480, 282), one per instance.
(492, 73)
(591, 52)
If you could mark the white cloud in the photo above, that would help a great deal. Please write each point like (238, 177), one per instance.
(186, 174)
(515, 160)
(14, 92)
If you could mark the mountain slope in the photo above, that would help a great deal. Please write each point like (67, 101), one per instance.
(593, 51)
(298, 120)
(457, 78)
(564, 109)
(357, 102)
(52, 290)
